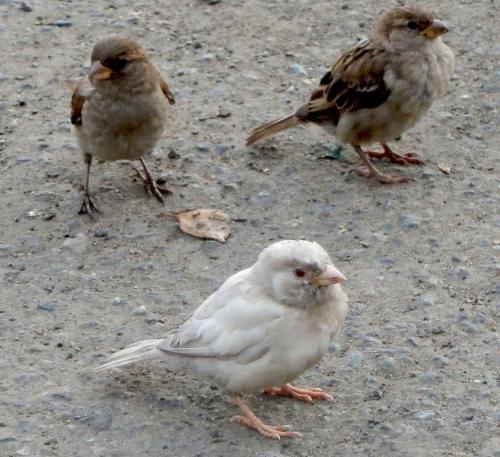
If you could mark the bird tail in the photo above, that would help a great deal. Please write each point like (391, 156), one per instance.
(270, 128)
(142, 350)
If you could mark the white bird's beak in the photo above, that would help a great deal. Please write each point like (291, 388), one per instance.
(330, 276)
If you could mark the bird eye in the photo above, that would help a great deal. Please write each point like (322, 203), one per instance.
(300, 273)
(412, 25)
(115, 64)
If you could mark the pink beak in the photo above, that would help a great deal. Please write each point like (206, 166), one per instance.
(330, 276)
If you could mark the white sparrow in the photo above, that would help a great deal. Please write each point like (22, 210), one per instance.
(119, 112)
(262, 328)
(379, 88)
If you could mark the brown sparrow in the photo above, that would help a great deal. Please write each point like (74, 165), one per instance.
(263, 327)
(379, 88)
(119, 112)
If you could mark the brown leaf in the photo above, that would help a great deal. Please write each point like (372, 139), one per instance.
(207, 223)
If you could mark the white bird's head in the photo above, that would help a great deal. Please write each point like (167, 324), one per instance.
(297, 273)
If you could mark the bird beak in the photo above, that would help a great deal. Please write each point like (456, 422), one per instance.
(99, 72)
(435, 29)
(328, 277)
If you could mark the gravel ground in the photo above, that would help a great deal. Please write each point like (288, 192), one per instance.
(416, 370)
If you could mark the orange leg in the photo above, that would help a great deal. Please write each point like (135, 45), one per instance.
(307, 394)
(391, 156)
(249, 419)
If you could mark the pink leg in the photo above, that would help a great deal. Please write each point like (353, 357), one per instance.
(304, 394)
(250, 420)
(391, 156)
(372, 171)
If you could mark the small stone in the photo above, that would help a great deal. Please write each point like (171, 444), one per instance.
(48, 307)
(424, 415)
(459, 273)
(77, 245)
(297, 69)
(213, 2)
(230, 187)
(355, 359)
(409, 221)
(469, 328)
(62, 23)
(5, 250)
(202, 147)
(140, 311)
(26, 7)
(173, 154)
(101, 233)
(426, 300)
(117, 301)
(221, 149)
(334, 347)
(440, 361)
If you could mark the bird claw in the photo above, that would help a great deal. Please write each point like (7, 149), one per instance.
(88, 206)
(383, 178)
(301, 394)
(394, 157)
(275, 432)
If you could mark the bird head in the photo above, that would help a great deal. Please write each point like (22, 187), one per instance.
(298, 273)
(410, 26)
(118, 61)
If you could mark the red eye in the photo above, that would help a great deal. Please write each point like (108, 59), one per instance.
(300, 273)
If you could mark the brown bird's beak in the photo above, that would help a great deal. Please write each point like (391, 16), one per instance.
(99, 72)
(328, 277)
(435, 29)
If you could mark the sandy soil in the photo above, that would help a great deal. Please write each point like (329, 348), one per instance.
(416, 370)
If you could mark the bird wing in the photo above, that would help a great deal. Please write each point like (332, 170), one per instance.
(165, 89)
(82, 91)
(355, 81)
(232, 324)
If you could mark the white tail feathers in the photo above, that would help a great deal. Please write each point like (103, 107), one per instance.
(142, 350)
(270, 128)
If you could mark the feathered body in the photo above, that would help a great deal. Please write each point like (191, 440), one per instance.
(243, 337)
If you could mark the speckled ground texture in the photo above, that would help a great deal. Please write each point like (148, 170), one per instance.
(416, 369)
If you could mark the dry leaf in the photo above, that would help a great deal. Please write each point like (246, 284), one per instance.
(211, 224)
(446, 169)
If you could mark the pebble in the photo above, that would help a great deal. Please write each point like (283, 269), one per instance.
(140, 311)
(297, 69)
(117, 301)
(354, 360)
(408, 221)
(424, 415)
(26, 7)
(48, 307)
(101, 233)
(426, 300)
(440, 361)
(96, 420)
(459, 273)
(202, 147)
(62, 23)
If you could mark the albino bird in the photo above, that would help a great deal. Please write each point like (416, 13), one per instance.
(379, 88)
(119, 112)
(260, 330)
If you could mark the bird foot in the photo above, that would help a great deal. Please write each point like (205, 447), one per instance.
(394, 157)
(250, 420)
(383, 178)
(303, 394)
(150, 186)
(88, 205)
(274, 432)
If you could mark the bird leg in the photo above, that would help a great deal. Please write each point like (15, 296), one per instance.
(149, 182)
(373, 171)
(88, 205)
(302, 394)
(249, 419)
(391, 156)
